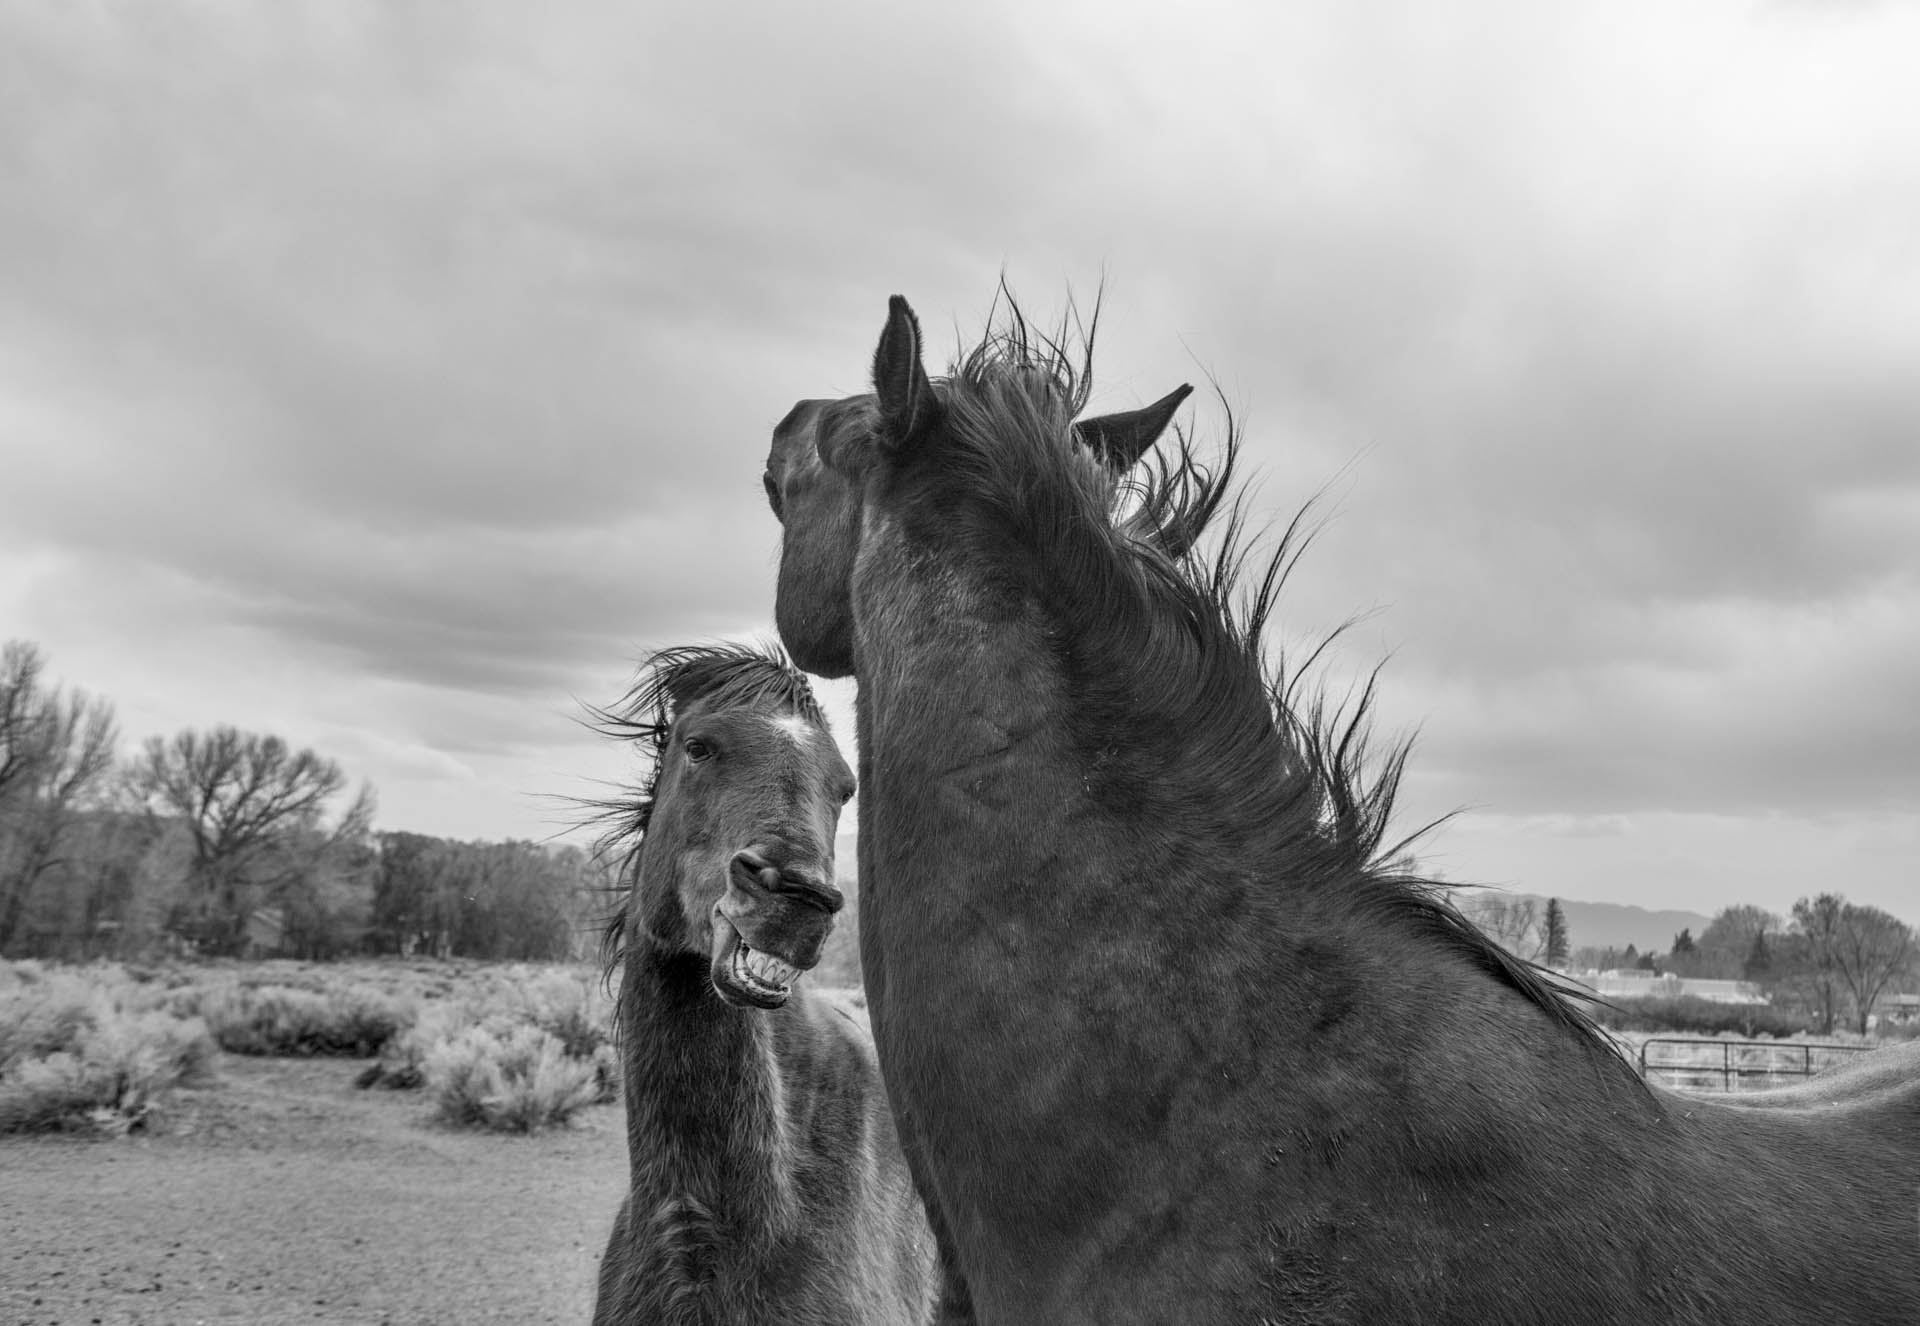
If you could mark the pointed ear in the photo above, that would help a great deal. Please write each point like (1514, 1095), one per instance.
(1119, 440)
(907, 403)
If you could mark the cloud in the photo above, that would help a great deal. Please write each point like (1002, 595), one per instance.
(408, 372)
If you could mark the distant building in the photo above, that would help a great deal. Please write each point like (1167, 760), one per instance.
(1635, 983)
(1898, 1008)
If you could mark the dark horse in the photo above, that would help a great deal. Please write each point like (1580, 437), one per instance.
(767, 1184)
(1170, 1034)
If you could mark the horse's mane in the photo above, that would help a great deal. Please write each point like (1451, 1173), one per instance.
(728, 675)
(1240, 747)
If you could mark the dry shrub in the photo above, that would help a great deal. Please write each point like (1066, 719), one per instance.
(517, 1080)
(1692, 1015)
(80, 1051)
(403, 1059)
(570, 1005)
(566, 1007)
(352, 1022)
(41, 1012)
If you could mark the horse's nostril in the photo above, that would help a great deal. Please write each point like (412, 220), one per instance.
(793, 881)
(751, 870)
(751, 862)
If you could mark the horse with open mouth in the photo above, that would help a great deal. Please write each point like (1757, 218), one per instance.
(766, 1181)
(1170, 1032)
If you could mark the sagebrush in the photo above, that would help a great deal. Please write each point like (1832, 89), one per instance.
(518, 1080)
(89, 1049)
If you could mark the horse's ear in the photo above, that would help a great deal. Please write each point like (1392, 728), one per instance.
(907, 403)
(1119, 440)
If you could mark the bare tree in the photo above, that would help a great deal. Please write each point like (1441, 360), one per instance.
(512, 900)
(253, 809)
(1512, 923)
(19, 723)
(56, 752)
(1816, 966)
(1869, 950)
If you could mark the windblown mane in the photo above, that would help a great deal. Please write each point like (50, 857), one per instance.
(731, 676)
(1237, 745)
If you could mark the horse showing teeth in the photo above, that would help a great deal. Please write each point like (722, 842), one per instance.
(727, 1071)
(766, 968)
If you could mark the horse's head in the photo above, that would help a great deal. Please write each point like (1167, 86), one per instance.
(818, 506)
(748, 785)
(826, 455)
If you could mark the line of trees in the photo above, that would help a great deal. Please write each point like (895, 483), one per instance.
(225, 842)
(1830, 959)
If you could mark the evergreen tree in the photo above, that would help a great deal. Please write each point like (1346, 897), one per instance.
(1556, 955)
(1728, 941)
(1683, 942)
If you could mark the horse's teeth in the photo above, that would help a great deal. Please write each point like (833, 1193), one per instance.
(769, 969)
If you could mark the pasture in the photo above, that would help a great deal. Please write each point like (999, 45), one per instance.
(268, 1188)
(279, 1193)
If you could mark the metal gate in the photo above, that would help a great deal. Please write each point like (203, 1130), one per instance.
(1738, 1065)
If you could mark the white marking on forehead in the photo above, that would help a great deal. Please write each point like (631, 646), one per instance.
(795, 727)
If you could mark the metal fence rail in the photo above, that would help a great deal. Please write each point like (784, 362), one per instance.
(1743, 1065)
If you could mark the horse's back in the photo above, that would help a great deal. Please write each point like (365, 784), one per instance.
(1821, 1178)
(1884, 1082)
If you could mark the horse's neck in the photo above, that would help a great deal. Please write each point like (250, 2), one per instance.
(984, 817)
(705, 1102)
(969, 731)
(943, 659)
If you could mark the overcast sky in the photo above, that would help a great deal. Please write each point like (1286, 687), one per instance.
(389, 376)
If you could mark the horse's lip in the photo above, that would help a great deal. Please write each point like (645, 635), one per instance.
(735, 981)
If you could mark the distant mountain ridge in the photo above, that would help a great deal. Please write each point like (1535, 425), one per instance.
(1613, 924)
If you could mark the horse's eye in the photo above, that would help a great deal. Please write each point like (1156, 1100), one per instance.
(773, 495)
(697, 750)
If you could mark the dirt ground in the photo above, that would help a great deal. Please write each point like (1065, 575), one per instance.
(282, 1194)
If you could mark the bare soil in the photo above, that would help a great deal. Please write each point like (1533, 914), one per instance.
(280, 1194)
